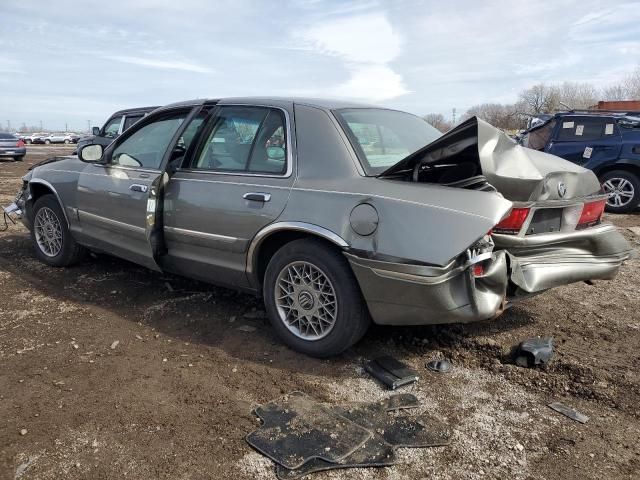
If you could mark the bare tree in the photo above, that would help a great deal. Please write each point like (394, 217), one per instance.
(540, 98)
(507, 117)
(627, 89)
(438, 121)
(577, 95)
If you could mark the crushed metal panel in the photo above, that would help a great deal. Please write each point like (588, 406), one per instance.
(517, 172)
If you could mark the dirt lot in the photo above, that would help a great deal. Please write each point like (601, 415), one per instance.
(173, 398)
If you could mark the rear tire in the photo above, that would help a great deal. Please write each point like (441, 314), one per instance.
(28, 141)
(623, 188)
(19, 159)
(50, 235)
(313, 299)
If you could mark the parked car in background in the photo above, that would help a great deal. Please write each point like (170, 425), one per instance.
(11, 146)
(34, 138)
(335, 213)
(608, 143)
(65, 137)
(113, 128)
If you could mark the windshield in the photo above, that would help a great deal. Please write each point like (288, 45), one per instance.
(381, 138)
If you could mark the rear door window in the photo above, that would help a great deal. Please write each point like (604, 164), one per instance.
(577, 129)
(245, 139)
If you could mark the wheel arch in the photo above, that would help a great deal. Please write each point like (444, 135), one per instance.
(632, 166)
(271, 238)
(39, 187)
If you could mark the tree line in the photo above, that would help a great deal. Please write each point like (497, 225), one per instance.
(545, 98)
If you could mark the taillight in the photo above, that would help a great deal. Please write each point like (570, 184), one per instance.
(591, 214)
(20, 144)
(512, 224)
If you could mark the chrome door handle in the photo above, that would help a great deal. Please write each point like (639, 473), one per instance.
(257, 196)
(136, 187)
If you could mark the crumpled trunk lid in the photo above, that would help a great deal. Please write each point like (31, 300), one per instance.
(520, 174)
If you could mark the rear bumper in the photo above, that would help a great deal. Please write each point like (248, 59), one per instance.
(13, 152)
(403, 294)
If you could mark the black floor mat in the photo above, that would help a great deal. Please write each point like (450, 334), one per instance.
(388, 431)
(297, 429)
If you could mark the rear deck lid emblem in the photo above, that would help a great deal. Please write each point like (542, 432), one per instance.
(562, 189)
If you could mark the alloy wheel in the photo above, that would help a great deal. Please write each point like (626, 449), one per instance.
(48, 232)
(620, 191)
(306, 300)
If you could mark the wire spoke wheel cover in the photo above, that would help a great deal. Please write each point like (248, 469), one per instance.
(620, 191)
(48, 232)
(306, 301)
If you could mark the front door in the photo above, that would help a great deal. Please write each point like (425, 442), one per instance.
(117, 200)
(236, 181)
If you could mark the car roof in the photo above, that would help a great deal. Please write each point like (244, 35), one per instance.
(135, 110)
(323, 103)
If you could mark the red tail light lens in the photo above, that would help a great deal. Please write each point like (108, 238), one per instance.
(20, 144)
(512, 223)
(591, 214)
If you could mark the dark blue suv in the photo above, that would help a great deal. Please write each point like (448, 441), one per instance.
(608, 143)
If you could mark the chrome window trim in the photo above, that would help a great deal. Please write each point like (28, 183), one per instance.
(278, 187)
(122, 167)
(289, 170)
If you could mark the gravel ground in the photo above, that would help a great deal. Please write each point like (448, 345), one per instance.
(108, 370)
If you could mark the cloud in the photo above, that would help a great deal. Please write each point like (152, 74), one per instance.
(161, 64)
(366, 44)
(374, 83)
(365, 38)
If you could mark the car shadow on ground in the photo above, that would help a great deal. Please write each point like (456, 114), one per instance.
(199, 313)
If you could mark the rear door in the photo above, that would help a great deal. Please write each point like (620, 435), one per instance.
(236, 181)
(586, 141)
(117, 201)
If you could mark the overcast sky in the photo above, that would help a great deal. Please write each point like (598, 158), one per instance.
(68, 61)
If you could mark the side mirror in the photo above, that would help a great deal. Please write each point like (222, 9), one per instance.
(91, 153)
(275, 153)
(95, 131)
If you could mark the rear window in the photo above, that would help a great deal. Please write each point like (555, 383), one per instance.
(381, 138)
(7, 136)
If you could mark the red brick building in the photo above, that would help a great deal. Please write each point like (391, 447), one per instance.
(618, 105)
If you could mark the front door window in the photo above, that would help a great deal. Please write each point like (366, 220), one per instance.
(147, 146)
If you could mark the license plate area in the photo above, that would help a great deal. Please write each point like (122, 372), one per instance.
(546, 220)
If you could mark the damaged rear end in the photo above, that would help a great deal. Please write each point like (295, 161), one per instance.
(553, 234)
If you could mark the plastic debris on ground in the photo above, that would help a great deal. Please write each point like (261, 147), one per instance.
(569, 412)
(304, 436)
(534, 351)
(440, 365)
(391, 372)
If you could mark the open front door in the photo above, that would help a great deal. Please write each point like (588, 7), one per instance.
(119, 202)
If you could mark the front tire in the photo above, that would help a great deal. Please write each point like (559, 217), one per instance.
(47, 142)
(19, 159)
(313, 299)
(623, 188)
(50, 235)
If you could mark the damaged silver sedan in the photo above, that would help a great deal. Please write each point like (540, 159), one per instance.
(337, 214)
